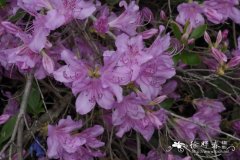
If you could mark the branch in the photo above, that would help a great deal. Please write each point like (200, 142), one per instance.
(19, 126)
(202, 125)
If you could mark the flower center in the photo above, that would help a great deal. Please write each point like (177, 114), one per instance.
(94, 73)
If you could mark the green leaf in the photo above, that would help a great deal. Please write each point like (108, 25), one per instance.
(35, 104)
(198, 32)
(19, 15)
(112, 2)
(176, 30)
(7, 129)
(167, 104)
(2, 3)
(190, 58)
(176, 58)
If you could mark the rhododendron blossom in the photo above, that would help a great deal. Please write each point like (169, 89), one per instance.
(131, 114)
(63, 143)
(191, 12)
(94, 85)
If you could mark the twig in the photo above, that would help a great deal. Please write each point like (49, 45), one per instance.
(20, 139)
(202, 125)
(44, 104)
(234, 35)
(169, 8)
(138, 145)
(21, 113)
(212, 84)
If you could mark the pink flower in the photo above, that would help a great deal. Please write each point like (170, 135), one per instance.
(236, 57)
(219, 55)
(23, 56)
(223, 9)
(60, 11)
(207, 114)
(131, 54)
(10, 109)
(156, 71)
(232, 155)
(212, 15)
(58, 14)
(101, 23)
(129, 20)
(130, 114)
(191, 12)
(48, 63)
(209, 105)
(63, 143)
(94, 84)
(186, 130)
(148, 33)
(4, 118)
(236, 126)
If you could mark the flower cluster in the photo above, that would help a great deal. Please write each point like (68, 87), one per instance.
(65, 142)
(216, 11)
(207, 114)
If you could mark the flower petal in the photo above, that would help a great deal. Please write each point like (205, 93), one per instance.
(85, 102)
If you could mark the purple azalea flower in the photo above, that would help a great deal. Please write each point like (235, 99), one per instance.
(191, 12)
(130, 114)
(65, 143)
(236, 126)
(232, 155)
(131, 54)
(212, 15)
(58, 14)
(94, 85)
(169, 89)
(156, 71)
(7, 41)
(210, 119)
(129, 20)
(148, 33)
(209, 105)
(101, 23)
(4, 118)
(219, 55)
(60, 11)
(236, 57)
(23, 56)
(224, 8)
(10, 109)
(208, 114)
(186, 130)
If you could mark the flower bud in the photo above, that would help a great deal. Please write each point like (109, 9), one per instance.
(149, 33)
(219, 39)
(225, 34)
(48, 63)
(163, 15)
(207, 39)
(234, 62)
(218, 55)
